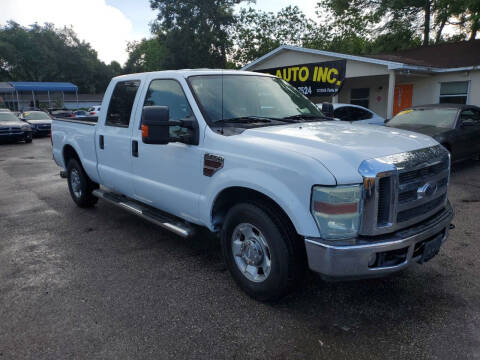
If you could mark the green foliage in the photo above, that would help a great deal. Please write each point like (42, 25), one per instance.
(257, 32)
(44, 53)
(145, 55)
(194, 32)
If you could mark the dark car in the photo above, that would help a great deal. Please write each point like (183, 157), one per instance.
(40, 122)
(13, 129)
(455, 126)
(61, 113)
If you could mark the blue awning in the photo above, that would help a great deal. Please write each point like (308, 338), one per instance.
(44, 86)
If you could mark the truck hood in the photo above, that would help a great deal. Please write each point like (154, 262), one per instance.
(341, 147)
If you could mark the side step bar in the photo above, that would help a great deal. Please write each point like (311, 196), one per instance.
(146, 212)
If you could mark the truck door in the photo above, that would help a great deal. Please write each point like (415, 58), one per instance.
(113, 138)
(168, 176)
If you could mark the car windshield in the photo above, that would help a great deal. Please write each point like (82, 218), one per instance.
(7, 116)
(225, 97)
(35, 115)
(437, 117)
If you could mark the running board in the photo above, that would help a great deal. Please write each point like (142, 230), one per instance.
(147, 212)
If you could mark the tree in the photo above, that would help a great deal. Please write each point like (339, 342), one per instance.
(145, 55)
(421, 16)
(194, 32)
(257, 32)
(44, 53)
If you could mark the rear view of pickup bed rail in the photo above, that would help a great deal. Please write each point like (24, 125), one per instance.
(248, 157)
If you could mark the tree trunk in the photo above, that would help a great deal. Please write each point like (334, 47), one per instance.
(426, 30)
(475, 28)
(439, 31)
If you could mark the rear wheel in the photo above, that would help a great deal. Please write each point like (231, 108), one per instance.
(80, 185)
(259, 250)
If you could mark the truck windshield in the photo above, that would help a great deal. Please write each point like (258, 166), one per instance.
(234, 97)
(443, 118)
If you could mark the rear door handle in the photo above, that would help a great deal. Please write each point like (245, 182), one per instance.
(134, 148)
(101, 142)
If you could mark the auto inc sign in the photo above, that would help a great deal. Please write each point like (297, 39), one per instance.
(314, 79)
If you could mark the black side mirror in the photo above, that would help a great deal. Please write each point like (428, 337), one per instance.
(155, 125)
(327, 109)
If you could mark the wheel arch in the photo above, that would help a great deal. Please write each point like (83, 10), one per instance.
(68, 153)
(230, 196)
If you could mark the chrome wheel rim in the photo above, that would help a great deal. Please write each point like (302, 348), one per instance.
(76, 183)
(251, 252)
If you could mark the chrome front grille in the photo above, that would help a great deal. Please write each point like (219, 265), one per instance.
(404, 189)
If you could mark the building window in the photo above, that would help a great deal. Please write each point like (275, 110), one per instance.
(360, 97)
(454, 92)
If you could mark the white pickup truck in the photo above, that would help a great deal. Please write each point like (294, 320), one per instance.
(250, 158)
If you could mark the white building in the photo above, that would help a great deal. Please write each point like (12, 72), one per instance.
(388, 83)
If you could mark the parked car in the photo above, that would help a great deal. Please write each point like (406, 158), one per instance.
(40, 122)
(350, 112)
(94, 110)
(13, 129)
(248, 157)
(62, 113)
(455, 126)
(81, 113)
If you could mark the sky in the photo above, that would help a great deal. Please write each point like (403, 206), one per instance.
(109, 24)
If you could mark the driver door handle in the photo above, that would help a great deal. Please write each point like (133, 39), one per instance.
(134, 148)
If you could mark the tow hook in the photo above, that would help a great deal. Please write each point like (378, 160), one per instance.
(451, 226)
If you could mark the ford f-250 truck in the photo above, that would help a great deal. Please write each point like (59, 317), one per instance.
(250, 158)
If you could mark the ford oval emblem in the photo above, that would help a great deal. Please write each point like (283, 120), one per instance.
(426, 190)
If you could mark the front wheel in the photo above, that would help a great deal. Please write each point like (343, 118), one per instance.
(259, 250)
(80, 185)
(28, 138)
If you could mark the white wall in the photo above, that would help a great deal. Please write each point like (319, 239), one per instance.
(291, 57)
(426, 89)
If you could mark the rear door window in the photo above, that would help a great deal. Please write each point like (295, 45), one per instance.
(121, 103)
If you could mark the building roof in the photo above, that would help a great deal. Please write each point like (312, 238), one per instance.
(446, 55)
(44, 86)
(5, 87)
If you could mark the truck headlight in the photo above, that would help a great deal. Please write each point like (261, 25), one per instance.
(337, 210)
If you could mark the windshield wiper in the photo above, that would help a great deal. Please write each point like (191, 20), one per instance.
(245, 120)
(305, 117)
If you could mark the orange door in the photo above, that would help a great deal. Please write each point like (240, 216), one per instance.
(403, 97)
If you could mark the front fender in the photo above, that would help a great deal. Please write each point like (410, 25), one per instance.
(294, 200)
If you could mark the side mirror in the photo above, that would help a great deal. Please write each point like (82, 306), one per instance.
(155, 125)
(327, 109)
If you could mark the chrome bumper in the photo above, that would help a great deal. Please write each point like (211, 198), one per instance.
(360, 257)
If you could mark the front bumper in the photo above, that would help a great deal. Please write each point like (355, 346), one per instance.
(376, 256)
(16, 136)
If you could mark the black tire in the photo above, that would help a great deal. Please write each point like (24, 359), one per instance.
(82, 196)
(286, 265)
(28, 139)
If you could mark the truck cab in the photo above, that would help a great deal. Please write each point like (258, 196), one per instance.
(248, 157)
